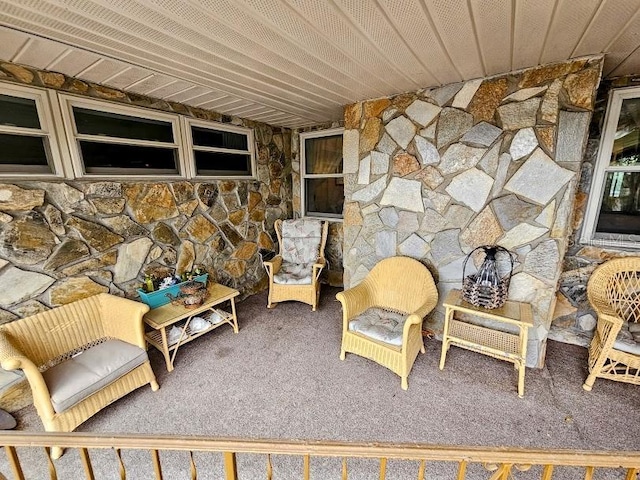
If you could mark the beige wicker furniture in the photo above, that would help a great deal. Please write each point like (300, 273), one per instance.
(161, 318)
(488, 341)
(294, 273)
(53, 340)
(614, 293)
(397, 285)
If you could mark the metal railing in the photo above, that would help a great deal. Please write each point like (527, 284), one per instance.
(498, 463)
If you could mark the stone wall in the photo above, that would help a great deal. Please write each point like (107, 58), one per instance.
(64, 240)
(333, 251)
(574, 320)
(435, 173)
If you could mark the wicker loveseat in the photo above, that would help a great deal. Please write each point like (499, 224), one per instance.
(79, 358)
(382, 316)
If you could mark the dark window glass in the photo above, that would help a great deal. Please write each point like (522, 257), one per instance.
(104, 157)
(21, 153)
(323, 155)
(92, 122)
(324, 195)
(18, 112)
(620, 209)
(206, 137)
(221, 163)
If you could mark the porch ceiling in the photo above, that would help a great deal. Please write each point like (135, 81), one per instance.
(295, 63)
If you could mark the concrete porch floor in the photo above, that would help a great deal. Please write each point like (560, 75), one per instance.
(281, 378)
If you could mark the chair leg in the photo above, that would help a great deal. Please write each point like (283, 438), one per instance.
(343, 354)
(404, 383)
(588, 384)
(154, 385)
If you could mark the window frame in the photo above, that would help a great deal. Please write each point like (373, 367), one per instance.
(67, 102)
(48, 118)
(192, 170)
(304, 175)
(601, 168)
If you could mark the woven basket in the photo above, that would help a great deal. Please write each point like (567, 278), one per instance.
(489, 297)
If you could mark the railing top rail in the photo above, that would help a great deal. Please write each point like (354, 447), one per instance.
(606, 459)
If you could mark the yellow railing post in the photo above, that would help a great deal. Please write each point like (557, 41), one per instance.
(230, 466)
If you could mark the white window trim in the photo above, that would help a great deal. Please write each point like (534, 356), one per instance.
(188, 122)
(44, 100)
(601, 168)
(303, 175)
(67, 102)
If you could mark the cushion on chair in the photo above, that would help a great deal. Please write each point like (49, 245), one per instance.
(380, 324)
(301, 240)
(294, 274)
(75, 379)
(628, 341)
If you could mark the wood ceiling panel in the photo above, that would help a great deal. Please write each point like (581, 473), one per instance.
(606, 26)
(493, 24)
(74, 62)
(88, 38)
(624, 45)
(327, 39)
(374, 23)
(452, 21)
(11, 43)
(101, 70)
(39, 53)
(128, 76)
(421, 37)
(299, 61)
(532, 20)
(568, 25)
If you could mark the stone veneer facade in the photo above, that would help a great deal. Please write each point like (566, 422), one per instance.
(62, 240)
(435, 173)
(574, 319)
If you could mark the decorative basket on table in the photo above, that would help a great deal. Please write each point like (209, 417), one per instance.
(487, 288)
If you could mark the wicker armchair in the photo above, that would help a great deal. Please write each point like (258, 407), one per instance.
(614, 293)
(79, 358)
(382, 316)
(295, 272)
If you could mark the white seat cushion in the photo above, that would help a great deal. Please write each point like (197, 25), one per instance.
(294, 274)
(628, 341)
(75, 379)
(380, 324)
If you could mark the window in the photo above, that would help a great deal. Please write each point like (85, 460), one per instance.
(613, 212)
(220, 150)
(28, 145)
(108, 140)
(322, 178)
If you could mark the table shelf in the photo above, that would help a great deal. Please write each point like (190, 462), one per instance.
(159, 320)
(484, 339)
(154, 337)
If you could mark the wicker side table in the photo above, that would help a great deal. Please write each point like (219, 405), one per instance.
(488, 341)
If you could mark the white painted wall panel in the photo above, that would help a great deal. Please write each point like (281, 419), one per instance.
(10, 42)
(414, 22)
(493, 22)
(532, 19)
(39, 53)
(569, 22)
(453, 23)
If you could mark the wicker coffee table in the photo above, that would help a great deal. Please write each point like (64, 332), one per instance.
(488, 341)
(161, 318)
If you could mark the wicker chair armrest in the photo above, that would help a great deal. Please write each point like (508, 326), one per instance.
(273, 265)
(317, 268)
(428, 306)
(354, 301)
(123, 318)
(11, 358)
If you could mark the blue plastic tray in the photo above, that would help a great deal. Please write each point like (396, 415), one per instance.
(159, 297)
